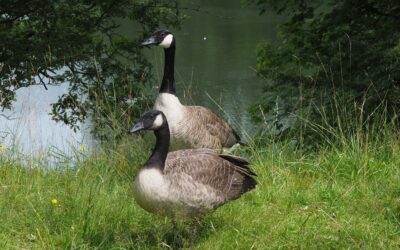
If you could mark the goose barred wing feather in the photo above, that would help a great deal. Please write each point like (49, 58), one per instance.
(211, 128)
(206, 178)
(183, 153)
(241, 163)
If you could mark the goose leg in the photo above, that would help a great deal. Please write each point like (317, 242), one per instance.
(193, 231)
(193, 235)
(174, 230)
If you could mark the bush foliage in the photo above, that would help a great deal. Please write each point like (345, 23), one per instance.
(331, 53)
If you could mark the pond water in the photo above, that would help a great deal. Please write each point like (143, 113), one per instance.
(28, 133)
(216, 55)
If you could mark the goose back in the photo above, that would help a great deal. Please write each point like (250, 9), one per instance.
(211, 131)
(195, 126)
(204, 180)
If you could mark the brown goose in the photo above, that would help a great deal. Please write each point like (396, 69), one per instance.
(190, 126)
(187, 183)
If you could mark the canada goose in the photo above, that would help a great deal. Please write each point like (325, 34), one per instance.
(190, 126)
(187, 183)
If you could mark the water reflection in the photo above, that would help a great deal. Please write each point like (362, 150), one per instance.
(28, 130)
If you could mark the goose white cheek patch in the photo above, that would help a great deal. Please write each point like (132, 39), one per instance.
(157, 122)
(167, 41)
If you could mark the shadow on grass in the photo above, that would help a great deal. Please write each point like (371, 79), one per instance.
(183, 235)
(155, 235)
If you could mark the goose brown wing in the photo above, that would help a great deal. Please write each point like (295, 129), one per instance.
(185, 152)
(213, 124)
(241, 163)
(207, 168)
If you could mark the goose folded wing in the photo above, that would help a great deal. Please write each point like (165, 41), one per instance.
(214, 125)
(185, 152)
(208, 169)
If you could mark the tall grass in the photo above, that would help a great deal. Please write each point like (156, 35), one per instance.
(345, 194)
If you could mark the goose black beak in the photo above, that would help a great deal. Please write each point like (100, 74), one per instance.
(138, 126)
(149, 41)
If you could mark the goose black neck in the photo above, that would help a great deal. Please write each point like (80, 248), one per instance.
(160, 151)
(168, 81)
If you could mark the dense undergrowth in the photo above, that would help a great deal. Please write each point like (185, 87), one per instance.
(345, 194)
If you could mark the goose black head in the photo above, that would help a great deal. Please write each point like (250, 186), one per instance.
(151, 120)
(162, 38)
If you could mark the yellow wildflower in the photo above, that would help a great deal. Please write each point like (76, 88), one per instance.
(82, 148)
(3, 147)
(54, 201)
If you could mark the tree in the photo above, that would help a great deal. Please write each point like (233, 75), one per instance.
(53, 41)
(330, 49)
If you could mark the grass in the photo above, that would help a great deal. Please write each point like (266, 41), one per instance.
(340, 196)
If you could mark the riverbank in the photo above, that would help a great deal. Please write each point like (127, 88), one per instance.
(343, 196)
